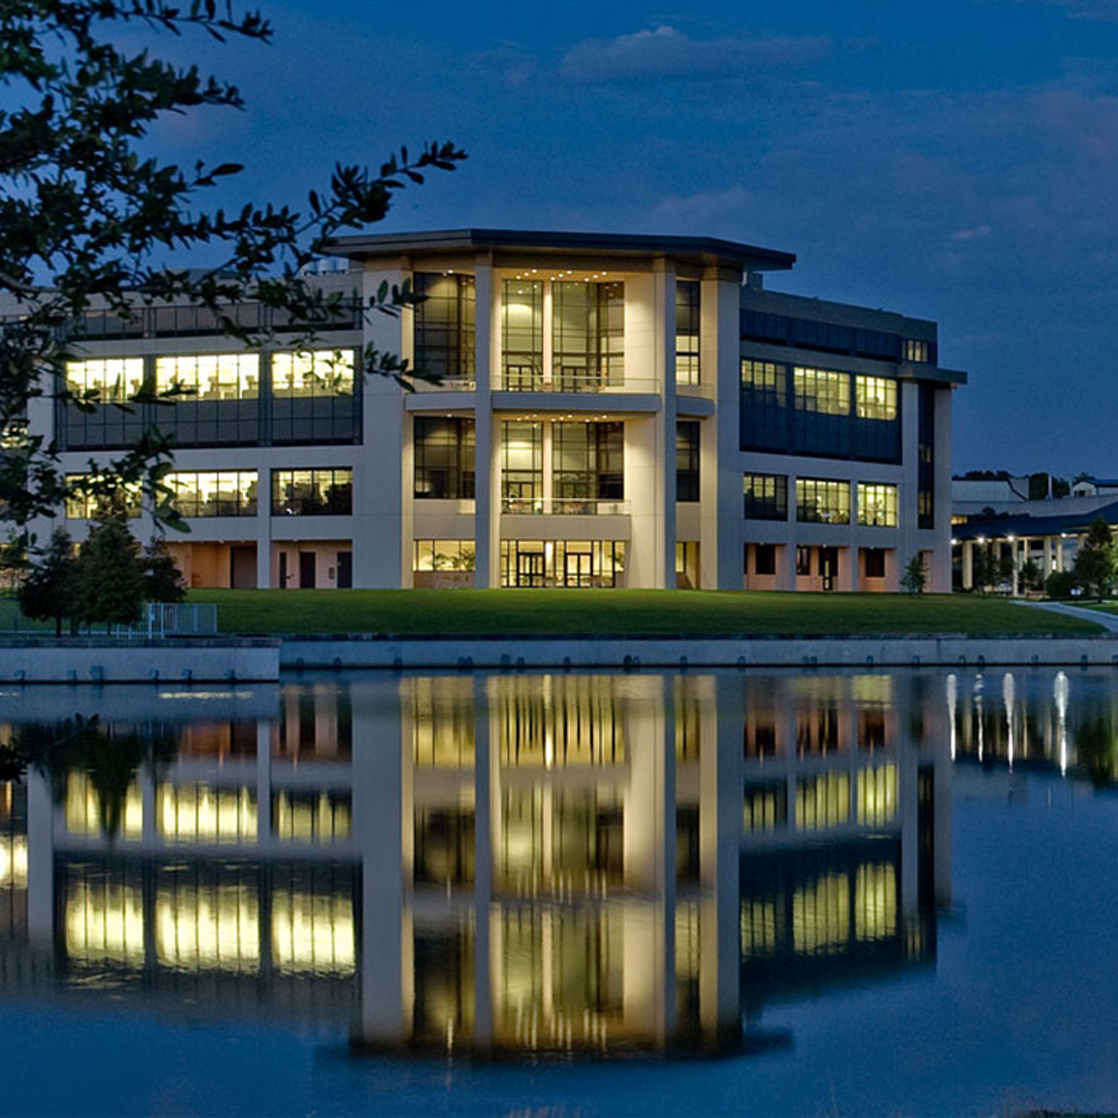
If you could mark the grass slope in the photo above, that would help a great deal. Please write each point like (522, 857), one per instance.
(627, 612)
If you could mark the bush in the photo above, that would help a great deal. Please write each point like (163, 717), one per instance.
(1060, 584)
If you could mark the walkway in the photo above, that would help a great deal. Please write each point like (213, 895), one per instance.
(1101, 617)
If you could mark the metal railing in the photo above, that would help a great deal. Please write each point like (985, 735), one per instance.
(532, 380)
(563, 506)
(158, 620)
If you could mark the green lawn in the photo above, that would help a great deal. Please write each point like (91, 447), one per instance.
(627, 612)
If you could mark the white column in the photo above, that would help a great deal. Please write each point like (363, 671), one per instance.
(968, 564)
(487, 517)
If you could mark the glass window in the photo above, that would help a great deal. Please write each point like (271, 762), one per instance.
(875, 397)
(588, 335)
(214, 493)
(764, 559)
(915, 351)
(443, 555)
(687, 331)
(445, 325)
(874, 558)
(588, 465)
(322, 492)
(926, 457)
(522, 335)
(81, 505)
(532, 563)
(764, 406)
(819, 390)
(313, 373)
(877, 505)
(687, 460)
(444, 458)
(803, 560)
(210, 376)
(522, 465)
(821, 412)
(113, 379)
(820, 501)
(766, 496)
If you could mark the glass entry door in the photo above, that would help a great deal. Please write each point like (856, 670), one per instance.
(828, 566)
(530, 568)
(577, 569)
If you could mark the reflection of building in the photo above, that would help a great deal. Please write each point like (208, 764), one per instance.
(613, 411)
(584, 863)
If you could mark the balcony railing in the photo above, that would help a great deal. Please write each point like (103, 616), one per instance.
(446, 384)
(533, 380)
(563, 506)
(704, 391)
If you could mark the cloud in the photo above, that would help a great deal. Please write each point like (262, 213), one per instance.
(665, 53)
(704, 211)
(971, 234)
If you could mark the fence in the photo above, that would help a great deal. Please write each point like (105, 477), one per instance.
(159, 619)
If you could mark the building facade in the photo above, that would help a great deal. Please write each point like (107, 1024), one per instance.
(609, 411)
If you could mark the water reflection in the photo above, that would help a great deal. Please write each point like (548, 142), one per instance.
(499, 864)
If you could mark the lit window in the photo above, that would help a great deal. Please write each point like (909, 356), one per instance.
(915, 351)
(81, 505)
(322, 372)
(218, 493)
(819, 501)
(818, 390)
(113, 379)
(209, 376)
(877, 505)
(312, 492)
(875, 397)
(766, 496)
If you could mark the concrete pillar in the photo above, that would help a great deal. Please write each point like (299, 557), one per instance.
(1015, 578)
(968, 564)
(1047, 556)
(487, 516)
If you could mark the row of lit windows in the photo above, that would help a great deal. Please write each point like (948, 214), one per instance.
(215, 376)
(818, 500)
(209, 493)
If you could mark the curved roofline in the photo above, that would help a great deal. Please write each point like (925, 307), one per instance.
(363, 246)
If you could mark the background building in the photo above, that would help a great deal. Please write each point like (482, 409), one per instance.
(612, 411)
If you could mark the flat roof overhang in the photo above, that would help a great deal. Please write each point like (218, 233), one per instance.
(695, 250)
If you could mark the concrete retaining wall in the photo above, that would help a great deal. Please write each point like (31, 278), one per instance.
(180, 660)
(620, 652)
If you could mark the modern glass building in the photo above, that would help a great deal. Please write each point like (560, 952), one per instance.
(608, 411)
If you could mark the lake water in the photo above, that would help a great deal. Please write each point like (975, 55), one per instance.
(744, 893)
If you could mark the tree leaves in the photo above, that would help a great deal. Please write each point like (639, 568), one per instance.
(87, 217)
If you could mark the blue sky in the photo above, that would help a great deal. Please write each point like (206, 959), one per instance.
(955, 160)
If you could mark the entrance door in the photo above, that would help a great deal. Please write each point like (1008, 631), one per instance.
(828, 566)
(283, 570)
(577, 569)
(529, 568)
(306, 570)
(242, 567)
(345, 570)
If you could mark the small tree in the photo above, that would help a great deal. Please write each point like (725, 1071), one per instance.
(163, 581)
(50, 590)
(1032, 578)
(1060, 584)
(111, 580)
(915, 575)
(1096, 564)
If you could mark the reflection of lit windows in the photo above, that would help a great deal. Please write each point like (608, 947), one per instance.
(822, 802)
(766, 807)
(207, 927)
(758, 928)
(85, 813)
(312, 816)
(105, 923)
(875, 902)
(209, 376)
(113, 379)
(821, 915)
(559, 720)
(443, 721)
(13, 861)
(877, 795)
(323, 372)
(199, 813)
(444, 845)
(313, 933)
